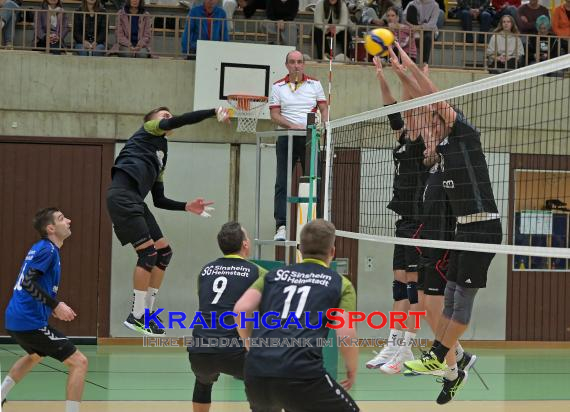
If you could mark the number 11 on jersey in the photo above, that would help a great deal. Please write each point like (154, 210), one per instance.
(291, 291)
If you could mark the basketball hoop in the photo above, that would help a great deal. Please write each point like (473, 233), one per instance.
(247, 110)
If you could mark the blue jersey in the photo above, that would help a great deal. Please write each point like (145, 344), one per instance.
(25, 312)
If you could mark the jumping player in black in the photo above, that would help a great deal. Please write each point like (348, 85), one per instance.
(138, 170)
(468, 188)
(410, 175)
(220, 284)
(292, 377)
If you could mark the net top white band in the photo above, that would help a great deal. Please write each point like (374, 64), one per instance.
(503, 79)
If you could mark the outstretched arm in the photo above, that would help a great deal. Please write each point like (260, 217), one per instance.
(427, 87)
(396, 121)
(176, 122)
(384, 87)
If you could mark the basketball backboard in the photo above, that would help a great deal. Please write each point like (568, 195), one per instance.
(225, 68)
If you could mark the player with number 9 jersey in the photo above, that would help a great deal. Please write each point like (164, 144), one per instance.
(216, 350)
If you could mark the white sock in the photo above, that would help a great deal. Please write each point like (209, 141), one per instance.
(138, 303)
(451, 374)
(459, 352)
(409, 339)
(394, 337)
(72, 406)
(7, 386)
(150, 297)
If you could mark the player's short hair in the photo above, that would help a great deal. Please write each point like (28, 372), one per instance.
(149, 115)
(317, 239)
(293, 51)
(230, 238)
(43, 218)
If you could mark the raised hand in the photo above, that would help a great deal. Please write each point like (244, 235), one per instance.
(398, 68)
(379, 70)
(406, 60)
(223, 114)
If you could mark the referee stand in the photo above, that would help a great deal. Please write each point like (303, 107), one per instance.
(307, 202)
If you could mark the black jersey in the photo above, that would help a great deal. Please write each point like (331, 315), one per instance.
(220, 285)
(410, 175)
(144, 157)
(145, 154)
(308, 287)
(438, 222)
(465, 171)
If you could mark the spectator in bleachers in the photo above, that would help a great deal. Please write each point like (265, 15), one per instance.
(331, 20)
(403, 5)
(206, 21)
(374, 13)
(249, 7)
(561, 20)
(51, 18)
(282, 12)
(134, 30)
(545, 46)
(503, 7)
(8, 19)
(90, 28)
(468, 10)
(527, 15)
(423, 15)
(505, 49)
(403, 32)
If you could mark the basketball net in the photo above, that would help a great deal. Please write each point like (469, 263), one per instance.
(247, 109)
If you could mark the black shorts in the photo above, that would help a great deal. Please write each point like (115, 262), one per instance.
(469, 269)
(208, 366)
(406, 257)
(322, 394)
(433, 270)
(46, 341)
(132, 220)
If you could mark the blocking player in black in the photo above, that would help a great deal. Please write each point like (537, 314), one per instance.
(438, 223)
(34, 300)
(220, 284)
(138, 170)
(468, 188)
(410, 175)
(293, 377)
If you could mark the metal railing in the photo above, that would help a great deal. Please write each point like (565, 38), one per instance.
(447, 49)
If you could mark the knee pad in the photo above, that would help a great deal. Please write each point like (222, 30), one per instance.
(463, 304)
(147, 258)
(163, 257)
(448, 297)
(399, 291)
(412, 291)
(202, 392)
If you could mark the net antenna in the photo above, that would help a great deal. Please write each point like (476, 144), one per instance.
(247, 109)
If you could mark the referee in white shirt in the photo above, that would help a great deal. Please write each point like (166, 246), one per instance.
(292, 98)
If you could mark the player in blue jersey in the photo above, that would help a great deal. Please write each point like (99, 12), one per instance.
(32, 303)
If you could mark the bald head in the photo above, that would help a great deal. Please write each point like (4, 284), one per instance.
(295, 63)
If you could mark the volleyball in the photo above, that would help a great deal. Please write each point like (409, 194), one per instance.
(377, 41)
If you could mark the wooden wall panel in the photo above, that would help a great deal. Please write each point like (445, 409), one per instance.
(538, 302)
(72, 175)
